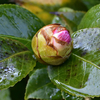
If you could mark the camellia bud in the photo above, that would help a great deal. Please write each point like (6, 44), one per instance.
(52, 44)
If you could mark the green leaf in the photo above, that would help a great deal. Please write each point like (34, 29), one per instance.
(18, 23)
(17, 27)
(66, 96)
(39, 86)
(38, 66)
(80, 74)
(15, 62)
(91, 18)
(58, 19)
(90, 3)
(70, 19)
(5, 95)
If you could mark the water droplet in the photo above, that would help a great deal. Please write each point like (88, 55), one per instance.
(98, 14)
(1, 79)
(19, 73)
(34, 57)
(4, 81)
(12, 76)
(98, 20)
(86, 39)
(57, 81)
(5, 70)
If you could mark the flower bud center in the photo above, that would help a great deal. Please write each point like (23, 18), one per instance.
(62, 35)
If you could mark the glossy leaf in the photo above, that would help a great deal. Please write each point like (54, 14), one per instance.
(38, 66)
(5, 95)
(80, 74)
(17, 27)
(67, 96)
(91, 18)
(18, 23)
(39, 86)
(69, 19)
(15, 62)
(58, 19)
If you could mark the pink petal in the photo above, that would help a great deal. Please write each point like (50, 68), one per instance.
(62, 35)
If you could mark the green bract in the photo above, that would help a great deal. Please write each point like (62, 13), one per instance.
(52, 44)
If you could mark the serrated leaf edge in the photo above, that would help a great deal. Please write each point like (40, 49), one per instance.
(38, 88)
(69, 92)
(24, 75)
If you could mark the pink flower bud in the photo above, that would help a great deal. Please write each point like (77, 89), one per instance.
(52, 44)
(62, 35)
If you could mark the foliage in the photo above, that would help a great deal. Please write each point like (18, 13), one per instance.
(75, 79)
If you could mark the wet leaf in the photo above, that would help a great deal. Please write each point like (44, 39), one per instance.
(68, 18)
(17, 27)
(18, 23)
(5, 95)
(15, 62)
(80, 74)
(91, 18)
(40, 87)
(67, 96)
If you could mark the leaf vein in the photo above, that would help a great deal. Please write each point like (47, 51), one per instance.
(86, 60)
